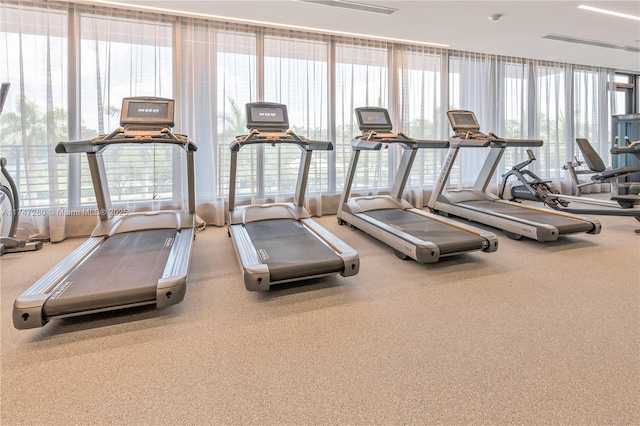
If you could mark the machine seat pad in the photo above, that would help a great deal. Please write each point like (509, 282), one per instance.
(608, 175)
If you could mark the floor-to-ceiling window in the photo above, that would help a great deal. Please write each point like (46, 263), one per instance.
(296, 74)
(123, 55)
(89, 58)
(33, 59)
(362, 79)
(420, 114)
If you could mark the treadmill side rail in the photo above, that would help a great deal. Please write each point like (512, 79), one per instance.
(173, 284)
(254, 273)
(346, 252)
(27, 308)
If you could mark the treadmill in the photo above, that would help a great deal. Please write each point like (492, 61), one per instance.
(130, 260)
(411, 232)
(279, 242)
(514, 219)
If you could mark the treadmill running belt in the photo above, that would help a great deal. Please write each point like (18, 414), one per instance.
(564, 224)
(449, 239)
(291, 251)
(123, 270)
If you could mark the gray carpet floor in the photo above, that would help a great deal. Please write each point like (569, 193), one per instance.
(536, 333)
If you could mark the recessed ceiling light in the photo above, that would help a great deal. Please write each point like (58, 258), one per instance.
(609, 12)
(354, 5)
(588, 42)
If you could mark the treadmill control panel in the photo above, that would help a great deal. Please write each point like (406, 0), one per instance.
(267, 116)
(268, 123)
(144, 117)
(463, 121)
(147, 112)
(466, 126)
(373, 119)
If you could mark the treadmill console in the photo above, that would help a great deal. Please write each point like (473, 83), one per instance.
(463, 121)
(146, 116)
(147, 112)
(267, 116)
(374, 119)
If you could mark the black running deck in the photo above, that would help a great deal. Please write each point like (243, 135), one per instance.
(449, 239)
(565, 225)
(123, 270)
(291, 251)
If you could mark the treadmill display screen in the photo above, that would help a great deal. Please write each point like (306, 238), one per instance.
(373, 118)
(267, 115)
(463, 120)
(147, 111)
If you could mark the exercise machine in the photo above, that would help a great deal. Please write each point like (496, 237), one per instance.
(599, 173)
(10, 241)
(411, 232)
(516, 220)
(629, 148)
(626, 128)
(131, 259)
(531, 187)
(279, 242)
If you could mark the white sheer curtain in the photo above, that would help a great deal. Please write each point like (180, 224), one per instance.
(217, 74)
(552, 126)
(236, 85)
(33, 40)
(296, 74)
(361, 79)
(472, 87)
(512, 100)
(124, 54)
(420, 114)
(591, 120)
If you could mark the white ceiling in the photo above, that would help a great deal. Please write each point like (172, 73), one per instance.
(463, 25)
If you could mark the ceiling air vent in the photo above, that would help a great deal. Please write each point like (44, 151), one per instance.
(354, 5)
(588, 42)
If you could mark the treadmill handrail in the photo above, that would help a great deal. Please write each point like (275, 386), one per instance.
(279, 137)
(118, 136)
(371, 141)
(523, 142)
(480, 142)
(456, 141)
